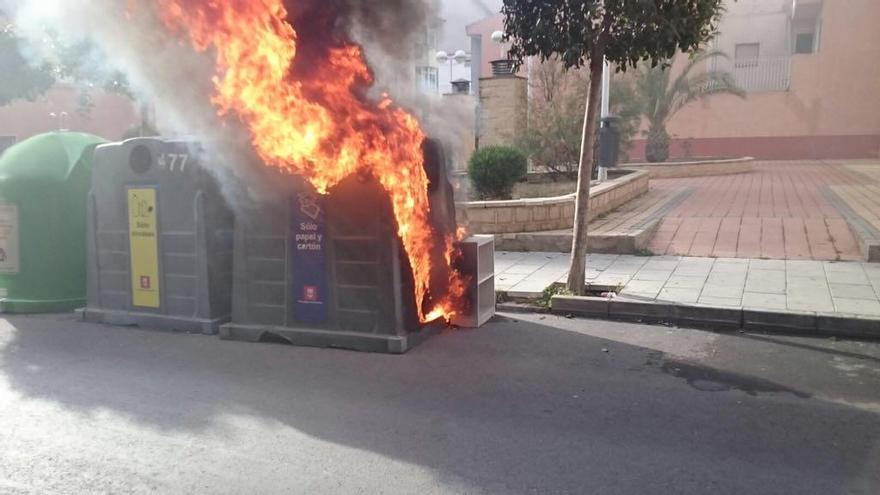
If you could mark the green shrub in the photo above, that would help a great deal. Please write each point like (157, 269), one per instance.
(494, 170)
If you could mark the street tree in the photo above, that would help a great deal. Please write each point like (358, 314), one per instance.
(21, 79)
(552, 139)
(78, 62)
(585, 33)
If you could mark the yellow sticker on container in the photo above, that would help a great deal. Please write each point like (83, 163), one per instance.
(143, 241)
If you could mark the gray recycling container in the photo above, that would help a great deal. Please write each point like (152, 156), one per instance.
(325, 271)
(160, 239)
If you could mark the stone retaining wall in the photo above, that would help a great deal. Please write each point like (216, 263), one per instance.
(671, 170)
(542, 214)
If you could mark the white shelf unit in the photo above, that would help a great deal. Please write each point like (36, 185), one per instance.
(478, 264)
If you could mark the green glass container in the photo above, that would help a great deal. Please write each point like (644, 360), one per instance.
(44, 185)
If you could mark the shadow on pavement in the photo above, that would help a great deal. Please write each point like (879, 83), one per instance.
(514, 407)
(813, 348)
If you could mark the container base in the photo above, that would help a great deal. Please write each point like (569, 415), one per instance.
(313, 337)
(40, 306)
(152, 321)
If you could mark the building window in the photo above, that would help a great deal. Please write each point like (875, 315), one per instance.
(803, 43)
(806, 26)
(428, 79)
(746, 54)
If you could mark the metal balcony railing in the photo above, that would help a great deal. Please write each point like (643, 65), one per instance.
(759, 74)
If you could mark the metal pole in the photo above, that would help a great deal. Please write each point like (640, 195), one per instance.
(606, 107)
(606, 89)
(450, 77)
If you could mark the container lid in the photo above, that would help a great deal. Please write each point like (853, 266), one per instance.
(50, 156)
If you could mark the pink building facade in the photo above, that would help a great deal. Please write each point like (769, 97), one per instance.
(811, 69)
(483, 49)
(110, 118)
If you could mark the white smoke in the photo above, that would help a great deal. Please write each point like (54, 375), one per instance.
(154, 62)
(457, 14)
(163, 70)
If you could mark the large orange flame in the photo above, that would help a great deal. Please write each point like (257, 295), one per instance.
(317, 127)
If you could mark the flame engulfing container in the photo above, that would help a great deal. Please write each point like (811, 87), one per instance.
(330, 270)
(44, 182)
(159, 239)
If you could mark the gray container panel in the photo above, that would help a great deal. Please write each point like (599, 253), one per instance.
(273, 248)
(179, 264)
(194, 235)
(181, 306)
(113, 260)
(357, 274)
(273, 316)
(361, 255)
(357, 250)
(109, 240)
(115, 281)
(268, 293)
(115, 299)
(268, 270)
(358, 298)
(180, 285)
(183, 243)
(369, 323)
(112, 207)
(369, 289)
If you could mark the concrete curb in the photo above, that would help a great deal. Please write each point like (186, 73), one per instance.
(698, 168)
(716, 317)
(560, 242)
(515, 307)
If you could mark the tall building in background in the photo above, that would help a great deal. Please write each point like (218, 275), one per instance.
(427, 69)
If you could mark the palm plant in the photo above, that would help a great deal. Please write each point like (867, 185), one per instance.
(662, 97)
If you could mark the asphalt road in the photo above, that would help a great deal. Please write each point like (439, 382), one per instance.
(528, 404)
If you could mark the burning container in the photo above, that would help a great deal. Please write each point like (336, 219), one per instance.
(330, 270)
(159, 239)
(44, 182)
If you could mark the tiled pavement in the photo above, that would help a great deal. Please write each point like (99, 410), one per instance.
(634, 215)
(797, 285)
(779, 211)
(862, 198)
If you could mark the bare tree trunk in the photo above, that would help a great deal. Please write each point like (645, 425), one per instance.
(585, 173)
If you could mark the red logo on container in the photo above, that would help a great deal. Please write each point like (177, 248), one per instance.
(310, 293)
(145, 282)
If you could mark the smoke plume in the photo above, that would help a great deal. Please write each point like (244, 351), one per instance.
(176, 80)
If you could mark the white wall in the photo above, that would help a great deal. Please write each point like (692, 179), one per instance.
(756, 21)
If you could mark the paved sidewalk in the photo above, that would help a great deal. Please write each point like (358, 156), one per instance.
(779, 211)
(851, 288)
